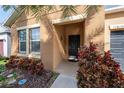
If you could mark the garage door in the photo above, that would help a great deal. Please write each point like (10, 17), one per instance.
(1, 47)
(117, 47)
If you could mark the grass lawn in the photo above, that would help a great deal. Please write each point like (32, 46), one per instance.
(2, 62)
(2, 65)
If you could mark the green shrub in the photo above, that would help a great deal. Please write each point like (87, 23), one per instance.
(3, 58)
(14, 75)
(2, 78)
(2, 68)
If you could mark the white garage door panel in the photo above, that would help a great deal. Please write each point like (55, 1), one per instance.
(117, 55)
(115, 50)
(117, 36)
(117, 46)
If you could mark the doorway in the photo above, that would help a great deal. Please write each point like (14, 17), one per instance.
(74, 44)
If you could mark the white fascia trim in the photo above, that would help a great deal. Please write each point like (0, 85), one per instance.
(67, 19)
(8, 18)
(28, 26)
(114, 9)
(116, 26)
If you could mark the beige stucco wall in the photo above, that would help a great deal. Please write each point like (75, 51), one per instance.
(58, 48)
(94, 28)
(112, 19)
(51, 51)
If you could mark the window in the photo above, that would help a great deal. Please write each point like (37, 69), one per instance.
(29, 40)
(34, 40)
(22, 41)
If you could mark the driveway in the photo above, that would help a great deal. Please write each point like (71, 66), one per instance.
(64, 81)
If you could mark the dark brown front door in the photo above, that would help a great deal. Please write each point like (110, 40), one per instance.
(1, 47)
(74, 44)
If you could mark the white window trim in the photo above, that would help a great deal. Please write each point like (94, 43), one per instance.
(116, 26)
(27, 38)
(69, 19)
(34, 40)
(28, 27)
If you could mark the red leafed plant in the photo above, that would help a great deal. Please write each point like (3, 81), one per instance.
(12, 62)
(98, 70)
(32, 66)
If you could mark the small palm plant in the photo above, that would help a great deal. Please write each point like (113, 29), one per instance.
(38, 10)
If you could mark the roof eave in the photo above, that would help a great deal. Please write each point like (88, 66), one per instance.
(114, 10)
(9, 22)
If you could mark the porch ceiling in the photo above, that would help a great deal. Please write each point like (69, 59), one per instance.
(68, 20)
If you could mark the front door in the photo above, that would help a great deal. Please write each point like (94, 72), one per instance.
(74, 44)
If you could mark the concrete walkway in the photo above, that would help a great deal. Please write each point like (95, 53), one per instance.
(65, 81)
(67, 68)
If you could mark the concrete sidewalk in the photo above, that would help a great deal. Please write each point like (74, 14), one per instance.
(65, 81)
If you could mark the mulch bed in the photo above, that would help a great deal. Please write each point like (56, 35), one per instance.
(34, 81)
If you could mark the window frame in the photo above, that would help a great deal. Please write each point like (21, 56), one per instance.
(27, 29)
(30, 41)
(23, 52)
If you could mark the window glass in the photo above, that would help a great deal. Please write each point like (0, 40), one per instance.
(35, 35)
(35, 46)
(22, 41)
(23, 46)
(22, 35)
(35, 40)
